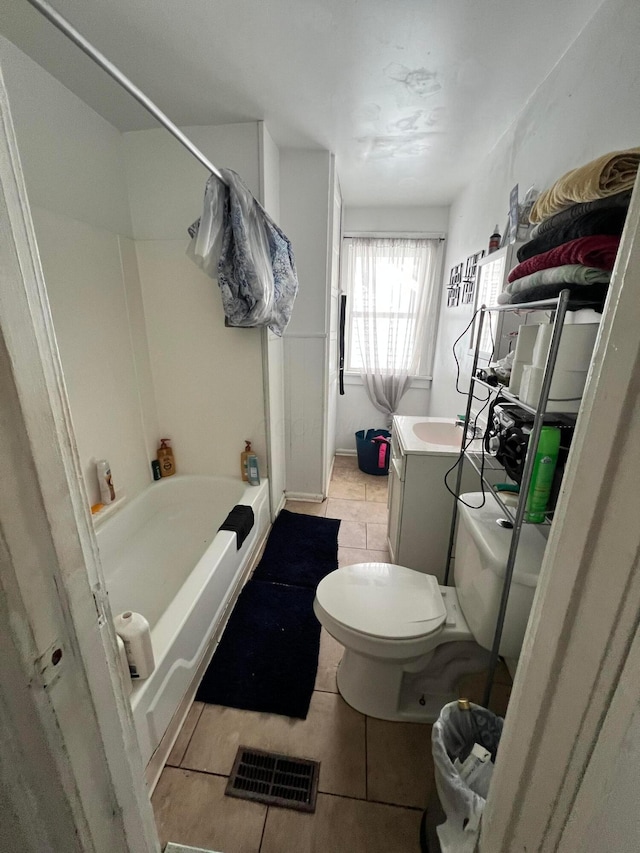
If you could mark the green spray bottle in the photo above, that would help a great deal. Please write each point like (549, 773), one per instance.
(544, 467)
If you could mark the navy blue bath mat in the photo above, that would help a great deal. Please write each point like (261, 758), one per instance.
(268, 656)
(301, 550)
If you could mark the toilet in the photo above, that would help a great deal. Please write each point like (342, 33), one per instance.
(408, 640)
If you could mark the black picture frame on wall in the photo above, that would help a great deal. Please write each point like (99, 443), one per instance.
(470, 277)
(454, 286)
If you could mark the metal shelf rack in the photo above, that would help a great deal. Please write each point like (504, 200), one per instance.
(516, 516)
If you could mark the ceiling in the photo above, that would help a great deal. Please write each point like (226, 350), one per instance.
(409, 94)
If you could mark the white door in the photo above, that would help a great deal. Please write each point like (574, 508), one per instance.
(331, 408)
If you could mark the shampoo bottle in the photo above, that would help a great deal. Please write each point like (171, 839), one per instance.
(244, 456)
(253, 473)
(544, 467)
(165, 458)
(107, 492)
(134, 631)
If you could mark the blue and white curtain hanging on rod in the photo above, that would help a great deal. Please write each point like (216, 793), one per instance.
(236, 241)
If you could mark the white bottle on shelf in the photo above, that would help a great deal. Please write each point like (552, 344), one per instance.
(107, 492)
(134, 630)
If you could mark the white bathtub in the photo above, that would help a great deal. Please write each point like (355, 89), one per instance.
(163, 556)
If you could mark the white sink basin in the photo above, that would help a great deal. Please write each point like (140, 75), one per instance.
(438, 432)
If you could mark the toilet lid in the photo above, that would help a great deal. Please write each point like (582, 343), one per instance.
(383, 600)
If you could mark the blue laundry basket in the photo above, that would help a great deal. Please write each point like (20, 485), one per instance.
(374, 451)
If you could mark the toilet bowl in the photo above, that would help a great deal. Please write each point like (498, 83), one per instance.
(408, 640)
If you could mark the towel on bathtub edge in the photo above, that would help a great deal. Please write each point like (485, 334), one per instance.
(240, 521)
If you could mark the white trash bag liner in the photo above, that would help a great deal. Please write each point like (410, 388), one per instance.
(454, 734)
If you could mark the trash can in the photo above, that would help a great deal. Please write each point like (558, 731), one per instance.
(460, 725)
(374, 450)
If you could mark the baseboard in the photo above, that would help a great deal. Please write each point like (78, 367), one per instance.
(304, 496)
(159, 758)
(346, 452)
(276, 510)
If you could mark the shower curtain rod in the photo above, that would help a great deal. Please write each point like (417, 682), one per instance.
(77, 38)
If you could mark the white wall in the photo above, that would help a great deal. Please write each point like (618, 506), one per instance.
(72, 159)
(401, 219)
(208, 379)
(304, 204)
(587, 106)
(355, 410)
(71, 156)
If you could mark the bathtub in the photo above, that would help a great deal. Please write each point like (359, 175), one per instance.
(163, 556)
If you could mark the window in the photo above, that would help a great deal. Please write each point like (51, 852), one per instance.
(392, 298)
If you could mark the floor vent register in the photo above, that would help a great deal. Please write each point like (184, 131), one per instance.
(274, 779)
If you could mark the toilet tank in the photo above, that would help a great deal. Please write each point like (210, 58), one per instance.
(481, 552)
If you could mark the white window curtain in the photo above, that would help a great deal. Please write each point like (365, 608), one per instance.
(394, 304)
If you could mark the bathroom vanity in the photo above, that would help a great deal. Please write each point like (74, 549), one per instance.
(420, 507)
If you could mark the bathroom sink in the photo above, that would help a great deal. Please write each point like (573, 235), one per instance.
(438, 432)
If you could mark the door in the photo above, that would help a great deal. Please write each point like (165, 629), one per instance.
(333, 288)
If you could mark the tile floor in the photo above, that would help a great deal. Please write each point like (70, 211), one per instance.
(376, 777)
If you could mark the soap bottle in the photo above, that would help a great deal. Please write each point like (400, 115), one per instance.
(253, 474)
(244, 456)
(107, 491)
(165, 458)
(544, 467)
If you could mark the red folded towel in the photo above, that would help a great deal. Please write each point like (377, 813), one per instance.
(598, 251)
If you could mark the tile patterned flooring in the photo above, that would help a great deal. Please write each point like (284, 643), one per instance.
(376, 777)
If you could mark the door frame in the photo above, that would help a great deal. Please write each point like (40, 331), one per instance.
(83, 788)
(573, 700)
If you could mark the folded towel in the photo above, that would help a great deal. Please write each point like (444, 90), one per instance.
(597, 251)
(594, 294)
(240, 522)
(607, 175)
(568, 274)
(597, 222)
(236, 241)
(620, 200)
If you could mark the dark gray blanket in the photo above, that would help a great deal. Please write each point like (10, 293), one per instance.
(609, 221)
(577, 210)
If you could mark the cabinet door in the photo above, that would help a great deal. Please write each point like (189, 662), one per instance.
(394, 505)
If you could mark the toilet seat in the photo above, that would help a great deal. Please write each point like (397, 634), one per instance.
(383, 601)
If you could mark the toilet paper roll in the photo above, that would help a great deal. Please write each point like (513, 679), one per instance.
(575, 349)
(525, 343)
(516, 377)
(542, 344)
(530, 384)
(576, 346)
(566, 390)
(523, 355)
(565, 393)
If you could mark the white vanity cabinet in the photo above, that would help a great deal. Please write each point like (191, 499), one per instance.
(420, 507)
